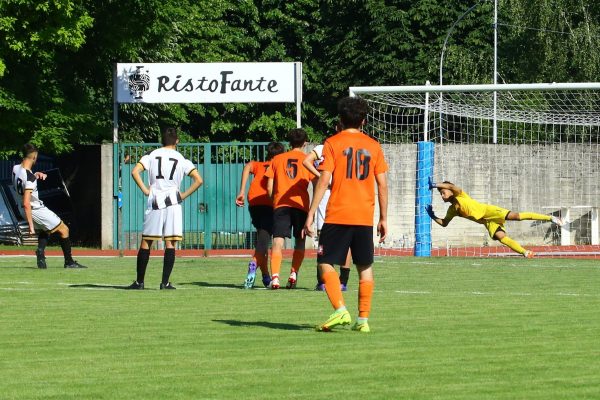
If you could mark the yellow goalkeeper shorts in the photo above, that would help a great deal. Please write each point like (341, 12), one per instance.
(494, 219)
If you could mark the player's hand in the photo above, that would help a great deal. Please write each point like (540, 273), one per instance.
(31, 230)
(239, 201)
(431, 183)
(41, 175)
(429, 210)
(308, 226)
(382, 231)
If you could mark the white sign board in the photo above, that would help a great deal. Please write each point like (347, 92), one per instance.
(208, 83)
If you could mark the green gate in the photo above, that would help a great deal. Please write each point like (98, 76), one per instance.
(211, 218)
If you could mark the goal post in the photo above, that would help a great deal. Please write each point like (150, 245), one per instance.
(543, 157)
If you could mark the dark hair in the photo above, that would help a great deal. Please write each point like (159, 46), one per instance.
(439, 189)
(273, 149)
(169, 136)
(352, 111)
(297, 137)
(28, 148)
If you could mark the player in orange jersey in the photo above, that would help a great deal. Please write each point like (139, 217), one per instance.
(355, 163)
(312, 161)
(260, 207)
(288, 186)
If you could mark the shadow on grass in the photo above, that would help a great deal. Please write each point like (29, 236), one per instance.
(266, 324)
(214, 285)
(241, 286)
(96, 286)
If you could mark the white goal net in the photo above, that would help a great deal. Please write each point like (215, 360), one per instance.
(526, 148)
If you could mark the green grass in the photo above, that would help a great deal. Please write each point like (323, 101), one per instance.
(441, 329)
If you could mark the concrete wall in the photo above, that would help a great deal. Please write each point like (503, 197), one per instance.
(106, 196)
(517, 177)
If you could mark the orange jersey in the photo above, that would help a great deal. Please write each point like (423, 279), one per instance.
(290, 180)
(354, 159)
(257, 193)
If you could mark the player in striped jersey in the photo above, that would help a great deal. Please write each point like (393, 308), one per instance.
(38, 216)
(163, 217)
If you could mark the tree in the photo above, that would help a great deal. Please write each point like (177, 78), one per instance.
(35, 101)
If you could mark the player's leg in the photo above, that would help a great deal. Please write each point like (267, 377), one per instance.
(168, 264)
(252, 264)
(333, 247)
(298, 221)
(40, 252)
(173, 232)
(151, 231)
(362, 254)
(263, 238)
(503, 238)
(320, 221)
(49, 221)
(282, 228)
(143, 256)
(524, 216)
(345, 271)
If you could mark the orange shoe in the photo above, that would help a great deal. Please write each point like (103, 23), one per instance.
(528, 254)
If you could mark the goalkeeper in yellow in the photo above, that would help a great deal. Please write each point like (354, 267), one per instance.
(491, 216)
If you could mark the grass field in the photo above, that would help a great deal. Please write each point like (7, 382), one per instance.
(443, 328)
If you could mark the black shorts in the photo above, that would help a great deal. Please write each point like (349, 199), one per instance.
(336, 239)
(287, 218)
(262, 217)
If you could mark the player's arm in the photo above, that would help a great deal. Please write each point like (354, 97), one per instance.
(319, 192)
(308, 163)
(135, 174)
(241, 197)
(440, 221)
(450, 186)
(27, 209)
(270, 187)
(382, 197)
(196, 183)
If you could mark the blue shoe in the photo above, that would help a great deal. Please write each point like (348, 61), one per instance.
(249, 283)
(266, 280)
(343, 287)
(320, 287)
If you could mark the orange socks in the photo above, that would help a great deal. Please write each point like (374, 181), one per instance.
(333, 289)
(297, 259)
(365, 293)
(276, 258)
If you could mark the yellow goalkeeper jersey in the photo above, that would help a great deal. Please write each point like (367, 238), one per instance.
(466, 207)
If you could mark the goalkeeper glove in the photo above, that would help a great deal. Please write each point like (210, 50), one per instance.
(431, 183)
(429, 210)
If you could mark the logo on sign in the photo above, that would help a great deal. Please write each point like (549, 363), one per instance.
(138, 82)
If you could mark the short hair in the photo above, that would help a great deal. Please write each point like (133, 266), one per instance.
(352, 111)
(297, 137)
(169, 137)
(273, 149)
(28, 148)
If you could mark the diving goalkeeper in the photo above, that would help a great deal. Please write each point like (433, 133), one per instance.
(491, 216)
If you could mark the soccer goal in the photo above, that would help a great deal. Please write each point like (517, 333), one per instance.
(523, 147)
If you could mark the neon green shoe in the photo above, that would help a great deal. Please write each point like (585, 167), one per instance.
(335, 319)
(364, 327)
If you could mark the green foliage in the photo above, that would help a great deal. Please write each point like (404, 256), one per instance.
(57, 57)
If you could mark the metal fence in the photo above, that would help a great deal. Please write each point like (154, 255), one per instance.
(211, 218)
